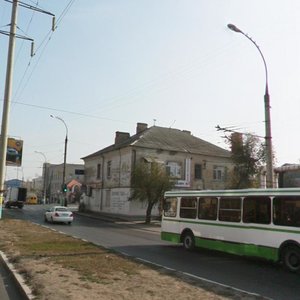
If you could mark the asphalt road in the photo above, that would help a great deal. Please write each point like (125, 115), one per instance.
(256, 277)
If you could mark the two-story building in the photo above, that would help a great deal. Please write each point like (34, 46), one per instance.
(191, 161)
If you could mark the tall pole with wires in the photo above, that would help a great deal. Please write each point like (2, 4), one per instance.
(7, 98)
(8, 88)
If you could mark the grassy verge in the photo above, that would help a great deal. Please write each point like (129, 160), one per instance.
(57, 266)
(30, 241)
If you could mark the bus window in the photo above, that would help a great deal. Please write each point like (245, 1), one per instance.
(230, 209)
(188, 207)
(208, 207)
(170, 207)
(257, 210)
(286, 211)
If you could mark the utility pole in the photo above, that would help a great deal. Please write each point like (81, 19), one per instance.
(268, 136)
(8, 87)
(7, 98)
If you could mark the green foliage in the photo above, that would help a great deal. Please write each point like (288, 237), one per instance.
(248, 157)
(149, 183)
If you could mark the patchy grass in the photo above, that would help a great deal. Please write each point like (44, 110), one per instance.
(57, 266)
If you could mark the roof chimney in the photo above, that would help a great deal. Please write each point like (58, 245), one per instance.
(121, 137)
(236, 142)
(141, 127)
(186, 131)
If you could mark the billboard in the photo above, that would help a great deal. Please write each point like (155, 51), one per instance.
(14, 152)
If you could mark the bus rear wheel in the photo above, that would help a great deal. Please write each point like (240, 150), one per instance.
(188, 241)
(291, 258)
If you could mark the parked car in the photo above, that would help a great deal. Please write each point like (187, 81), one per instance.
(58, 214)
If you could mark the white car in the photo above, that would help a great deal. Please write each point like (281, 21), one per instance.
(59, 214)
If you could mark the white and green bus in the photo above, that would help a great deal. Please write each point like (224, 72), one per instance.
(252, 222)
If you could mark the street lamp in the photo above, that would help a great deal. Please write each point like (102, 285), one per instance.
(44, 179)
(268, 136)
(65, 158)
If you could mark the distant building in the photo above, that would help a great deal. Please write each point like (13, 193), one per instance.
(192, 162)
(53, 176)
(288, 175)
(13, 183)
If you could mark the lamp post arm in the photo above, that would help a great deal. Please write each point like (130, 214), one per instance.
(236, 29)
(263, 58)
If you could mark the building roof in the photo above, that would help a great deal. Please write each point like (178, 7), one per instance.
(168, 139)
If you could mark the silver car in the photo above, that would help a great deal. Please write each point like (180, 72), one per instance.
(59, 214)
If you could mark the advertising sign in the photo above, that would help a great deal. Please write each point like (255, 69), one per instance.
(14, 152)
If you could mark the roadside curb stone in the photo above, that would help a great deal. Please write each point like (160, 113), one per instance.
(19, 280)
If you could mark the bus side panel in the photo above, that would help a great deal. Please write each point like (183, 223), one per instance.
(170, 236)
(238, 249)
(170, 231)
(233, 238)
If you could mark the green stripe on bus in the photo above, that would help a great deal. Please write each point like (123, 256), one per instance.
(239, 249)
(229, 247)
(171, 237)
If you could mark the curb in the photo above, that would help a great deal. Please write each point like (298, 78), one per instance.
(17, 278)
(117, 220)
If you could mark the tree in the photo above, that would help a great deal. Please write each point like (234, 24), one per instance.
(149, 183)
(248, 155)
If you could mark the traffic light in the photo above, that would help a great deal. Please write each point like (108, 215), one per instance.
(64, 188)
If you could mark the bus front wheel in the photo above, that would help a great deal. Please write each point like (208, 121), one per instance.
(291, 258)
(188, 241)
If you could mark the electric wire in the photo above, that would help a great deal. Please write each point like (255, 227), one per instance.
(42, 46)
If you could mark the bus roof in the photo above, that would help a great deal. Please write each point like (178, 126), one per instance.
(236, 193)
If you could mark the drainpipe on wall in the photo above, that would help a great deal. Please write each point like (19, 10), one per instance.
(102, 184)
(119, 168)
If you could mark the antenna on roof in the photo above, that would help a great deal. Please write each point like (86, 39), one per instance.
(172, 124)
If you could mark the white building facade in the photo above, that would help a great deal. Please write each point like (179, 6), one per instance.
(190, 161)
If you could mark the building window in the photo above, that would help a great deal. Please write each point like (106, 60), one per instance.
(173, 169)
(198, 171)
(219, 173)
(108, 170)
(98, 171)
(79, 172)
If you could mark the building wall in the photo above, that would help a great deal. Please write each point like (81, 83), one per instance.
(108, 176)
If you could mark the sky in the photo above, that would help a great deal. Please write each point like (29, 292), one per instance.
(172, 63)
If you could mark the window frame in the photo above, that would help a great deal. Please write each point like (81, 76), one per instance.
(211, 212)
(198, 171)
(108, 169)
(230, 213)
(174, 169)
(188, 211)
(171, 212)
(258, 214)
(218, 173)
(98, 172)
(288, 214)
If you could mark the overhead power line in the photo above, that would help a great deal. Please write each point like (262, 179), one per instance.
(66, 111)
